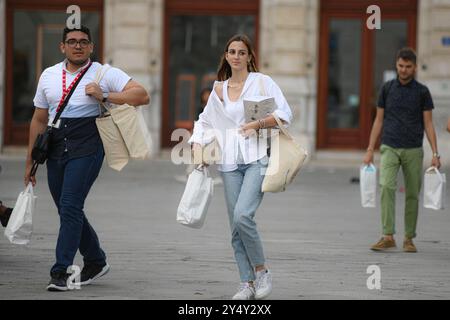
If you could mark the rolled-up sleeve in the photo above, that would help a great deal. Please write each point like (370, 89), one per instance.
(283, 110)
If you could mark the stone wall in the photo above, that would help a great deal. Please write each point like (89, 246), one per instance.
(434, 65)
(289, 54)
(133, 42)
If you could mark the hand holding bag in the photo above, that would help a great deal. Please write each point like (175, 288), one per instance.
(20, 225)
(286, 159)
(123, 131)
(434, 188)
(116, 151)
(368, 185)
(196, 198)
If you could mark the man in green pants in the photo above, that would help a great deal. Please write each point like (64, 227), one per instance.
(404, 112)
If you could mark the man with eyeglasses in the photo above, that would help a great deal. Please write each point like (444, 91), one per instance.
(76, 151)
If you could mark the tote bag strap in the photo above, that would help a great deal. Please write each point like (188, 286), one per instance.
(98, 77)
(101, 73)
(281, 126)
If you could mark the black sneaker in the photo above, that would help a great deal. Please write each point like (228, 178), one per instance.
(58, 282)
(91, 272)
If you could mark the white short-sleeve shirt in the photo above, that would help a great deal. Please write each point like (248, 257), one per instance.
(49, 90)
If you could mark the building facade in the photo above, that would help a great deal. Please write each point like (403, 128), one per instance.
(326, 59)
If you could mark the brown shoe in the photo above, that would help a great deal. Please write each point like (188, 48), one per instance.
(408, 246)
(384, 245)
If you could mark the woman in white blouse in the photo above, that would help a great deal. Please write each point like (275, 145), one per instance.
(244, 158)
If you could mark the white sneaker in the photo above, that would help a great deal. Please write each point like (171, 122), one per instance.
(263, 284)
(246, 292)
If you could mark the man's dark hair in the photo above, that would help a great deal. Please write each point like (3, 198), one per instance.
(83, 29)
(407, 54)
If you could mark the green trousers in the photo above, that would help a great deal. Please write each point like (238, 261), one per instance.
(411, 161)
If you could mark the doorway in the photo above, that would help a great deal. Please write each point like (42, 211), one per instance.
(354, 63)
(33, 34)
(196, 32)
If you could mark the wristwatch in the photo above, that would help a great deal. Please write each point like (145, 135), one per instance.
(436, 155)
(105, 96)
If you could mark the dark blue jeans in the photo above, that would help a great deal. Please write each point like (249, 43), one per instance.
(70, 181)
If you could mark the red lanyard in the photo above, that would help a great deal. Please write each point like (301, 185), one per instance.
(66, 91)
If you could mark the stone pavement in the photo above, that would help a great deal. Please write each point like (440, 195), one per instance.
(316, 238)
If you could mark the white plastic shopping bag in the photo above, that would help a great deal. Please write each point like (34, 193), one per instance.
(20, 225)
(196, 198)
(368, 185)
(434, 189)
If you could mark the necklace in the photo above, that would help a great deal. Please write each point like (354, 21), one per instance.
(234, 86)
(237, 84)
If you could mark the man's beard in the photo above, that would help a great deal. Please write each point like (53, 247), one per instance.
(78, 63)
(407, 78)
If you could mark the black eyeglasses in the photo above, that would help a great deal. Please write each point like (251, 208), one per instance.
(72, 43)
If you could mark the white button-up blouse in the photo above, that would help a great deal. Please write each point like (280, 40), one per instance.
(216, 122)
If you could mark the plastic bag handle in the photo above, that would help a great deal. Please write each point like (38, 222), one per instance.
(370, 165)
(436, 170)
(29, 189)
(433, 168)
(203, 168)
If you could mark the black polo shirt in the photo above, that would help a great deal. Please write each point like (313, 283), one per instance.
(403, 106)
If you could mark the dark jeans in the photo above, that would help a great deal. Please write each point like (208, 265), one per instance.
(70, 181)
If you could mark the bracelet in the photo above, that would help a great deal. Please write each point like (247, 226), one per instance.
(262, 123)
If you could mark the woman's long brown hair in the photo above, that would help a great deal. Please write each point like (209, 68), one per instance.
(224, 70)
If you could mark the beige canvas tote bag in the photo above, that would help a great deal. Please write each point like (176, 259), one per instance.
(116, 151)
(286, 159)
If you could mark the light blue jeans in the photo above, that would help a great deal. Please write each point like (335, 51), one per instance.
(243, 196)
